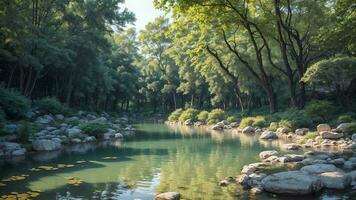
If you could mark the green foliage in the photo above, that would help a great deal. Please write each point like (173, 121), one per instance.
(310, 135)
(203, 116)
(231, 119)
(2, 117)
(258, 121)
(293, 119)
(51, 105)
(94, 128)
(345, 118)
(351, 129)
(189, 113)
(26, 130)
(174, 116)
(319, 110)
(14, 104)
(216, 116)
(247, 121)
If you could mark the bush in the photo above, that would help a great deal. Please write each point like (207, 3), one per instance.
(51, 105)
(319, 109)
(247, 121)
(203, 116)
(293, 119)
(174, 116)
(259, 121)
(346, 118)
(311, 135)
(190, 113)
(231, 119)
(2, 117)
(94, 128)
(351, 129)
(15, 105)
(24, 132)
(216, 116)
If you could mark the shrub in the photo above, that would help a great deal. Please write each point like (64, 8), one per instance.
(310, 135)
(51, 105)
(203, 116)
(190, 113)
(15, 105)
(231, 119)
(216, 116)
(260, 121)
(247, 121)
(351, 129)
(2, 117)
(24, 132)
(346, 118)
(94, 128)
(294, 119)
(174, 116)
(319, 109)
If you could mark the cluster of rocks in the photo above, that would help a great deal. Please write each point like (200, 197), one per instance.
(57, 130)
(168, 196)
(318, 170)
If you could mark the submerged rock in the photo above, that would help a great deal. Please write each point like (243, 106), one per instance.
(168, 196)
(292, 183)
(291, 146)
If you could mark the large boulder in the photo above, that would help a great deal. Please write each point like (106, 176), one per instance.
(248, 130)
(319, 169)
(301, 131)
(323, 127)
(10, 128)
(353, 137)
(11, 149)
(267, 135)
(46, 119)
(218, 126)
(331, 135)
(335, 180)
(266, 154)
(46, 145)
(343, 126)
(283, 130)
(73, 132)
(168, 196)
(291, 183)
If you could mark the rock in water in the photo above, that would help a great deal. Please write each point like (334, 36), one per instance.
(168, 196)
(46, 145)
(335, 180)
(266, 154)
(267, 135)
(320, 168)
(248, 129)
(292, 183)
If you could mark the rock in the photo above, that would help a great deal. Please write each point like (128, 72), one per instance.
(46, 145)
(291, 183)
(316, 169)
(323, 127)
(251, 168)
(46, 119)
(234, 124)
(73, 132)
(19, 152)
(10, 128)
(248, 130)
(30, 114)
(107, 136)
(118, 136)
(256, 190)
(59, 117)
(217, 127)
(331, 135)
(90, 139)
(353, 137)
(335, 180)
(168, 196)
(257, 177)
(101, 120)
(344, 126)
(348, 165)
(318, 139)
(283, 130)
(223, 183)
(11, 149)
(76, 140)
(199, 123)
(188, 122)
(291, 158)
(242, 179)
(9, 146)
(266, 154)
(339, 161)
(301, 131)
(91, 117)
(291, 146)
(266, 135)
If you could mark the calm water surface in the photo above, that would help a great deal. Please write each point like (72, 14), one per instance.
(157, 159)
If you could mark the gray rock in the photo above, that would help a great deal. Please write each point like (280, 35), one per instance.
(76, 140)
(118, 135)
(273, 124)
(59, 117)
(10, 128)
(266, 135)
(344, 126)
(291, 183)
(353, 137)
(46, 119)
(168, 196)
(108, 136)
(251, 168)
(90, 139)
(198, 123)
(101, 120)
(283, 130)
(9, 146)
(91, 117)
(349, 165)
(339, 161)
(218, 126)
(291, 158)
(266, 154)
(248, 130)
(46, 145)
(19, 152)
(234, 124)
(331, 135)
(73, 132)
(335, 180)
(316, 169)
(323, 127)
(301, 131)
(291, 146)
(188, 122)
(242, 179)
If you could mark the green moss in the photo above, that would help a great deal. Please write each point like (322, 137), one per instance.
(216, 116)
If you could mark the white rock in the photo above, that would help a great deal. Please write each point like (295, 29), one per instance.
(118, 135)
(248, 130)
(291, 183)
(266, 135)
(188, 122)
(323, 127)
(168, 196)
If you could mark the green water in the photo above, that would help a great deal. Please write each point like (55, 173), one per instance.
(157, 159)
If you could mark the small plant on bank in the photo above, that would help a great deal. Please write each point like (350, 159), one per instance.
(190, 113)
(310, 135)
(216, 116)
(346, 118)
(14, 104)
(174, 116)
(25, 131)
(246, 121)
(94, 128)
(203, 116)
(351, 129)
(319, 110)
(52, 105)
(231, 119)
(293, 119)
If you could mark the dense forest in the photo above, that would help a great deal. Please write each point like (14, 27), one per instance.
(231, 54)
